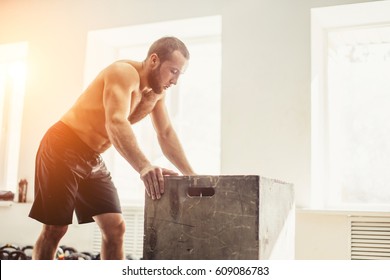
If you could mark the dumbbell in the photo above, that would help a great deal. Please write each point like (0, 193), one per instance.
(28, 251)
(4, 254)
(17, 255)
(9, 247)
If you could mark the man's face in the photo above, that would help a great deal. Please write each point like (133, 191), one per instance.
(167, 73)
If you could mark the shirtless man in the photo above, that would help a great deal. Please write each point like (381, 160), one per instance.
(70, 173)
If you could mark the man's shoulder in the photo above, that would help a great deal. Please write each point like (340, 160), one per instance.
(121, 70)
(122, 67)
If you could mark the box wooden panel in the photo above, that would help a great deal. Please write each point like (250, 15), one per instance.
(219, 217)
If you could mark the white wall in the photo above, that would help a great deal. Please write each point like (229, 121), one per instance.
(265, 79)
(322, 235)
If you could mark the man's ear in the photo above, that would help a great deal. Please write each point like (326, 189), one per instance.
(154, 60)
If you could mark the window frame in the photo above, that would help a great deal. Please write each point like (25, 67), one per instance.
(13, 68)
(323, 22)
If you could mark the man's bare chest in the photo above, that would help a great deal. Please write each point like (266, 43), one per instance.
(141, 106)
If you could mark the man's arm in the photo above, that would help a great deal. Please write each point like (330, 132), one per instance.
(168, 140)
(119, 81)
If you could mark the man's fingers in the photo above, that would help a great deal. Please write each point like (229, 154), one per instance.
(153, 178)
(153, 181)
(160, 179)
(149, 186)
(155, 185)
(168, 172)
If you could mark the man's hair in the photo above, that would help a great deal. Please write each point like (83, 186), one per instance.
(165, 46)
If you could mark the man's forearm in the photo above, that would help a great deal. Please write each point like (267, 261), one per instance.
(174, 151)
(123, 138)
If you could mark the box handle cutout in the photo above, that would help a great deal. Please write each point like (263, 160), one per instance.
(200, 191)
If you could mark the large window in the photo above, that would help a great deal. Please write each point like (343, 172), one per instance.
(350, 107)
(193, 104)
(12, 89)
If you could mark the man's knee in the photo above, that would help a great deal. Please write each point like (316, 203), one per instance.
(117, 230)
(111, 226)
(54, 232)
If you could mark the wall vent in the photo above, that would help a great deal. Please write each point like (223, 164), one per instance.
(133, 243)
(370, 238)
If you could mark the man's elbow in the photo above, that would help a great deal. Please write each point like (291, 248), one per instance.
(165, 135)
(115, 123)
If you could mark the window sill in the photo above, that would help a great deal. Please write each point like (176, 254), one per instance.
(351, 212)
(6, 203)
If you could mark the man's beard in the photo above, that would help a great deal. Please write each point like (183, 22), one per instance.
(155, 81)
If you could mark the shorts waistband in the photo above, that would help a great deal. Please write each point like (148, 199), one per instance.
(72, 139)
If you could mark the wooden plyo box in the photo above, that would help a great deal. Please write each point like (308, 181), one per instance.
(220, 218)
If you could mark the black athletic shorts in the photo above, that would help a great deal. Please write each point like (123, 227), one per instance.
(70, 176)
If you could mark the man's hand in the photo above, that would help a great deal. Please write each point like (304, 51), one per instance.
(153, 178)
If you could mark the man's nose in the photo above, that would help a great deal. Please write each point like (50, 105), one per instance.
(173, 81)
